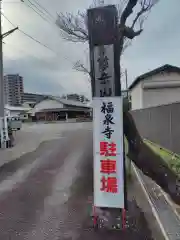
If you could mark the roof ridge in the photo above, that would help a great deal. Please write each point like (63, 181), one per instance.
(153, 72)
(65, 101)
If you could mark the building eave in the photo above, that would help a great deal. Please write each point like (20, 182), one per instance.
(164, 68)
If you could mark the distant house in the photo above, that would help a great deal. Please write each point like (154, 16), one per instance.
(157, 87)
(55, 108)
(12, 111)
(76, 97)
(33, 97)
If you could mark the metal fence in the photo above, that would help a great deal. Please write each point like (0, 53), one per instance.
(160, 125)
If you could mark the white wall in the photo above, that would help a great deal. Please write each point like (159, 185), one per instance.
(47, 104)
(14, 113)
(156, 97)
(162, 80)
(161, 89)
(136, 96)
(156, 90)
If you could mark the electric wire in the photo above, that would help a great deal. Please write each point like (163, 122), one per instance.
(42, 7)
(27, 35)
(37, 11)
(25, 52)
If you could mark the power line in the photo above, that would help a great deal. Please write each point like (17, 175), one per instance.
(34, 39)
(37, 41)
(40, 12)
(27, 53)
(44, 9)
(36, 11)
(27, 35)
(34, 5)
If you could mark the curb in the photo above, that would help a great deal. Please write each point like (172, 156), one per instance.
(150, 203)
(164, 194)
(169, 202)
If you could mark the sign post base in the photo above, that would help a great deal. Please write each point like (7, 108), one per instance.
(106, 219)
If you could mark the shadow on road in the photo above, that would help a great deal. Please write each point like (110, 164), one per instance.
(7, 169)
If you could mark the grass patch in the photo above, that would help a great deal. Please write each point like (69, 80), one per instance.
(172, 159)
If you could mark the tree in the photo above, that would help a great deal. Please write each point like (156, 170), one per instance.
(74, 28)
(80, 67)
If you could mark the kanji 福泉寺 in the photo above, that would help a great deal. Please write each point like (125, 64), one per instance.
(107, 107)
(108, 110)
(108, 119)
(108, 132)
(109, 184)
(108, 166)
(107, 149)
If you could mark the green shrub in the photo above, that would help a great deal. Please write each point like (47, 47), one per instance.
(173, 160)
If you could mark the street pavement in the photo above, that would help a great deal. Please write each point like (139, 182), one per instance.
(32, 135)
(46, 183)
(35, 187)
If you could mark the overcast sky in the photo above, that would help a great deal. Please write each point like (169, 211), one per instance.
(48, 72)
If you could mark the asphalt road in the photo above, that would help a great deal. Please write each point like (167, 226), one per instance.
(35, 187)
(32, 135)
(44, 193)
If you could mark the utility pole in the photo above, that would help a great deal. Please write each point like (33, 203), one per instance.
(3, 120)
(2, 102)
(126, 78)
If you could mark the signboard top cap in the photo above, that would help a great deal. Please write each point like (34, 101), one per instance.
(106, 7)
(108, 11)
(102, 24)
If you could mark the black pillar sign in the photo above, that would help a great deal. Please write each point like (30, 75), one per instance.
(109, 164)
(103, 39)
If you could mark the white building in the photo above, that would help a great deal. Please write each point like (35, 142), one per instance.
(56, 108)
(12, 111)
(13, 89)
(76, 97)
(157, 87)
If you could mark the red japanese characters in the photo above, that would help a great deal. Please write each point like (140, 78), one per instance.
(109, 184)
(108, 166)
(107, 149)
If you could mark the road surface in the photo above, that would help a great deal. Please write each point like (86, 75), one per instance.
(44, 193)
(32, 135)
(35, 187)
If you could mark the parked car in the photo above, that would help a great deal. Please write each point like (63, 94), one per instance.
(23, 117)
(15, 122)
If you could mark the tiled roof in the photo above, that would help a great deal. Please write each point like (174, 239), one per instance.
(16, 108)
(69, 102)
